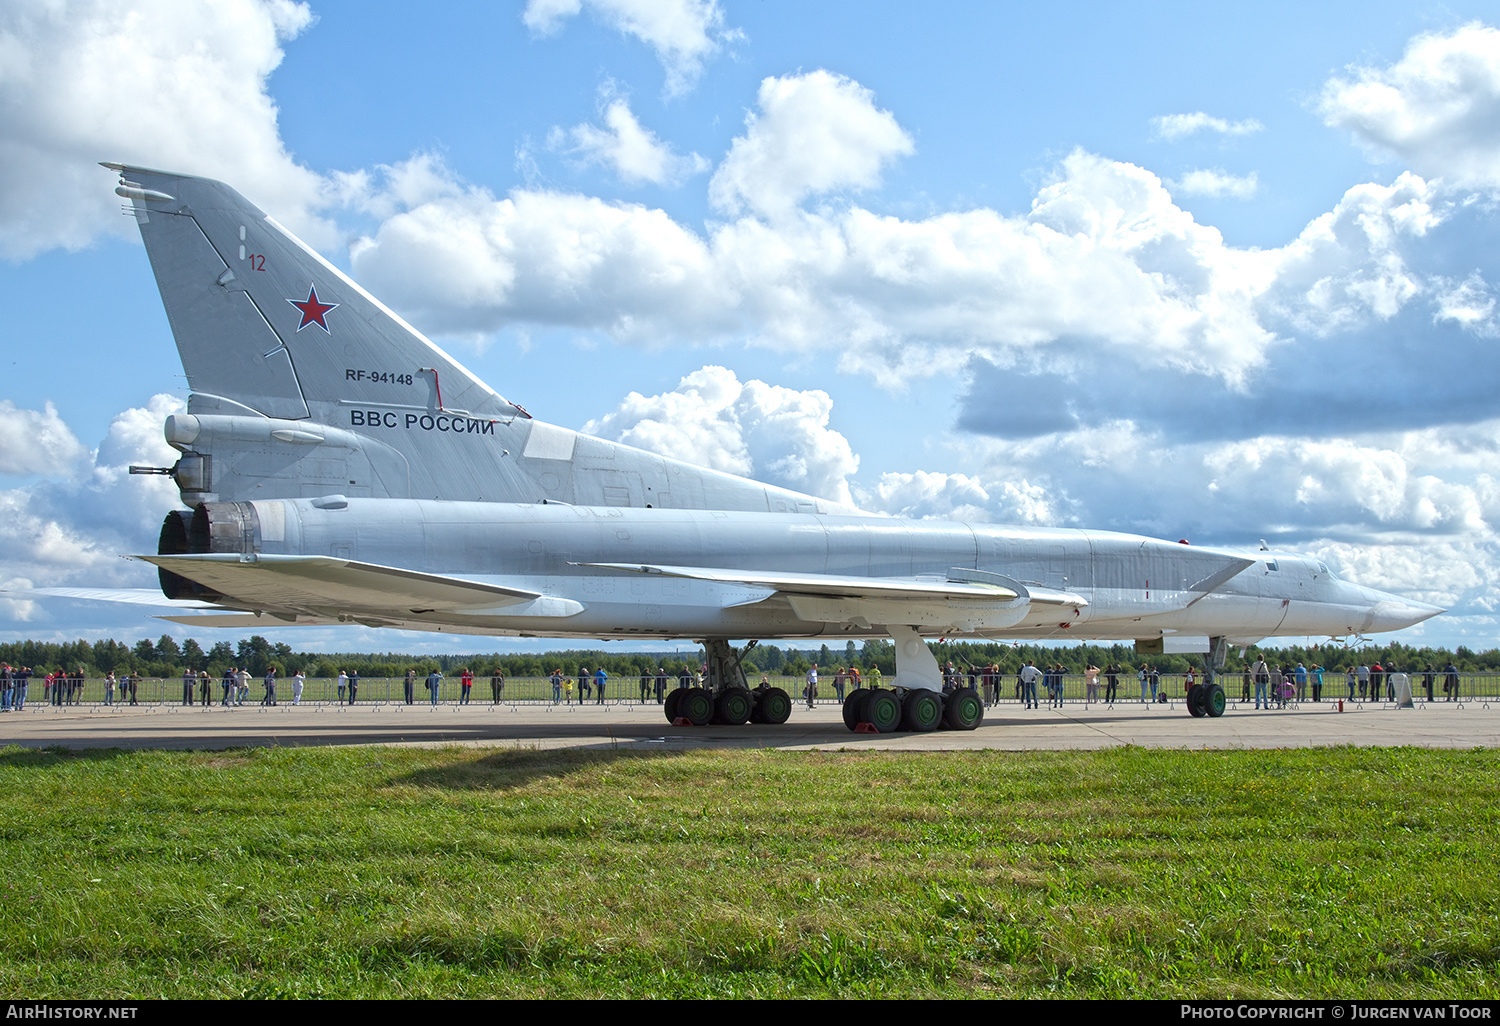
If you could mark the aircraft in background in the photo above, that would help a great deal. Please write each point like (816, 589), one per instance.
(338, 467)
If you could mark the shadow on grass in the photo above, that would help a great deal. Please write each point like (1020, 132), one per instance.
(515, 768)
(17, 757)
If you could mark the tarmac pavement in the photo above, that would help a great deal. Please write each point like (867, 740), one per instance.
(628, 725)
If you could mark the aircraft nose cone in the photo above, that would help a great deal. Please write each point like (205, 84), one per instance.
(1392, 614)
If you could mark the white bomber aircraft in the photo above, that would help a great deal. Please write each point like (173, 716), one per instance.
(338, 467)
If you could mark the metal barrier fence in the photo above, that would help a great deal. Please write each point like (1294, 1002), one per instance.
(626, 690)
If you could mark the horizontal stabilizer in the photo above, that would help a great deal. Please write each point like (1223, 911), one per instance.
(132, 596)
(324, 585)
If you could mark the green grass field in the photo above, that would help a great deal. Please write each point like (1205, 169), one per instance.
(384, 872)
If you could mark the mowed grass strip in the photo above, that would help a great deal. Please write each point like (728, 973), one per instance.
(394, 872)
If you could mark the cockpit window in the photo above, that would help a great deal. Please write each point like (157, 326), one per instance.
(1326, 572)
(1271, 565)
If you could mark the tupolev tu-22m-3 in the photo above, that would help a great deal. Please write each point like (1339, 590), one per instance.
(337, 467)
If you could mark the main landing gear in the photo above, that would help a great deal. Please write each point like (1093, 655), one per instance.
(915, 701)
(726, 698)
(1207, 699)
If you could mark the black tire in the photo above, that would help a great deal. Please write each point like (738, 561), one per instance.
(922, 710)
(882, 711)
(964, 710)
(774, 707)
(1194, 702)
(673, 698)
(854, 707)
(733, 706)
(697, 705)
(1214, 701)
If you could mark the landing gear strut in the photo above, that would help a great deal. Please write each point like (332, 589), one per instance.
(1208, 699)
(726, 698)
(916, 700)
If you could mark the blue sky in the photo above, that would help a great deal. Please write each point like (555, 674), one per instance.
(1192, 272)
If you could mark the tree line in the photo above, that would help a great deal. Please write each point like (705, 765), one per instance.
(167, 658)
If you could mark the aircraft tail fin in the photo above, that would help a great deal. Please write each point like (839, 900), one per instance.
(266, 325)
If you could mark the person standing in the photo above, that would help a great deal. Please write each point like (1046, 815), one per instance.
(1262, 674)
(1029, 675)
(497, 685)
(132, 681)
(298, 680)
(584, 688)
(434, 680)
(645, 685)
(205, 689)
(343, 686)
(270, 682)
(353, 685)
(599, 678)
(244, 692)
(465, 685)
(1317, 682)
(811, 689)
(410, 685)
(189, 683)
(1363, 675)
(1450, 682)
(109, 688)
(661, 684)
(838, 685)
(556, 680)
(1427, 678)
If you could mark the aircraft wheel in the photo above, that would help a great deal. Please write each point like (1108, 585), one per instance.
(673, 698)
(1213, 702)
(775, 706)
(964, 710)
(854, 707)
(697, 705)
(1194, 701)
(733, 706)
(922, 710)
(882, 711)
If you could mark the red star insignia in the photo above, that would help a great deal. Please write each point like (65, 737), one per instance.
(313, 311)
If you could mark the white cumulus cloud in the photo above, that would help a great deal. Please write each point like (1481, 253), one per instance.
(175, 84)
(1437, 109)
(769, 432)
(1214, 182)
(814, 133)
(71, 527)
(684, 33)
(35, 441)
(631, 151)
(1177, 126)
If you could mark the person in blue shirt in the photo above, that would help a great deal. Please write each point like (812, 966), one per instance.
(599, 678)
(433, 680)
